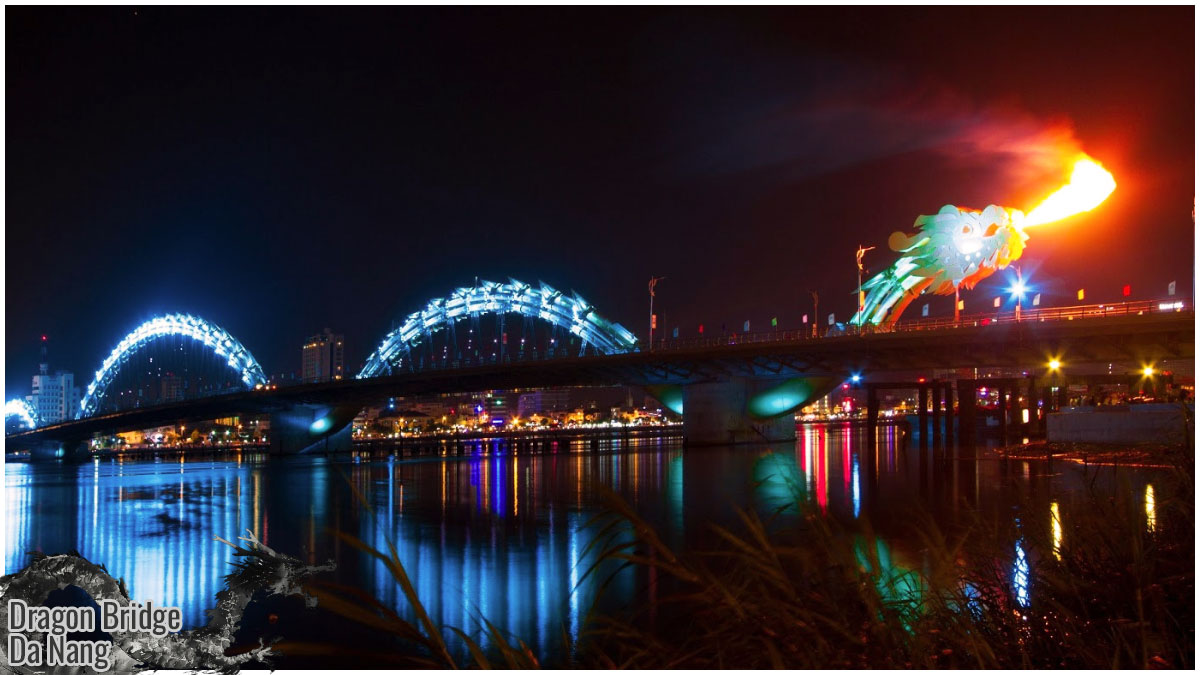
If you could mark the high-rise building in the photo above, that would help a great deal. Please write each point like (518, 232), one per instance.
(55, 398)
(321, 358)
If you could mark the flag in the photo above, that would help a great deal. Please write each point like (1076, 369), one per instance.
(1171, 288)
(746, 326)
(504, 338)
(1037, 299)
(702, 329)
(653, 321)
(1080, 294)
(925, 309)
(1125, 290)
(831, 320)
(804, 319)
(774, 321)
(675, 333)
(961, 306)
(996, 302)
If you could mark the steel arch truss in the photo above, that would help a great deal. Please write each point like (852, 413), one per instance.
(222, 344)
(17, 407)
(570, 312)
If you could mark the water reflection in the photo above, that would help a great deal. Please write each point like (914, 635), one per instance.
(501, 535)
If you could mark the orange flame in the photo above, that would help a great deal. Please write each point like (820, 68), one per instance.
(1090, 185)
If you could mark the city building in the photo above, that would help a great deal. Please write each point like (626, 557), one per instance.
(543, 401)
(55, 398)
(321, 358)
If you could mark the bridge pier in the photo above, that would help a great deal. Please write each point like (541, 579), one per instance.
(719, 413)
(311, 428)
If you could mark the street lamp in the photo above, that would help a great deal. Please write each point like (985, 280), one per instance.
(653, 282)
(1018, 290)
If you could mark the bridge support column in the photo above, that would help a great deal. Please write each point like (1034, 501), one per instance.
(949, 412)
(966, 413)
(50, 451)
(311, 428)
(923, 415)
(717, 413)
(937, 413)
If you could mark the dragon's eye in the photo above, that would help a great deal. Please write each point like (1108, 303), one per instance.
(966, 229)
(991, 230)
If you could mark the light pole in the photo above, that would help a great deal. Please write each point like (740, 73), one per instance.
(653, 282)
(816, 314)
(858, 256)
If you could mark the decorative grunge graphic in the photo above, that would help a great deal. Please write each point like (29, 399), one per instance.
(258, 568)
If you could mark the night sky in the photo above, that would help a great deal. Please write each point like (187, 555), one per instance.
(279, 171)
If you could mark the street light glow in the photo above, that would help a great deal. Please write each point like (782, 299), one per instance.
(1055, 364)
(1148, 371)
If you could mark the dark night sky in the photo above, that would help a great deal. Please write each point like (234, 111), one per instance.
(278, 171)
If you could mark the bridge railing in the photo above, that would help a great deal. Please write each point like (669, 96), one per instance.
(1033, 314)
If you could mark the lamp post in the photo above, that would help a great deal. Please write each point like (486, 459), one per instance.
(653, 282)
(816, 314)
(858, 256)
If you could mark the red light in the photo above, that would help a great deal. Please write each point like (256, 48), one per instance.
(43, 338)
(985, 322)
(1125, 291)
(920, 379)
(845, 386)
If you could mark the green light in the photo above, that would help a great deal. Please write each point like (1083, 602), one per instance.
(786, 396)
(320, 426)
(670, 395)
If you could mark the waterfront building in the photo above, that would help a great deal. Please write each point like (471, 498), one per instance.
(55, 398)
(321, 358)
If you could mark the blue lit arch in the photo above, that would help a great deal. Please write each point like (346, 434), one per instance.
(570, 312)
(222, 344)
(17, 407)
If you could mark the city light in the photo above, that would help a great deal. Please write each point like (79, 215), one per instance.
(1054, 364)
(1148, 371)
(856, 378)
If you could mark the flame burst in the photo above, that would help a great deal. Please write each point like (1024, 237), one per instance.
(1090, 185)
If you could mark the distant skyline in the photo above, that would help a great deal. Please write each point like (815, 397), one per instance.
(280, 171)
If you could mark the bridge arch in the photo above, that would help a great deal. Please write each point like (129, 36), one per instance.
(222, 344)
(20, 409)
(570, 312)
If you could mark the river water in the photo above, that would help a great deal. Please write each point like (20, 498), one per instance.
(502, 535)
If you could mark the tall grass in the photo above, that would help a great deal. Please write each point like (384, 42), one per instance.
(817, 595)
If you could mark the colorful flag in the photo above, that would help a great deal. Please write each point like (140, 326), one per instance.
(1080, 294)
(804, 319)
(925, 309)
(1171, 288)
(996, 302)
(774, 321)
(831, 322)
(653, 321)
(1125, 290)
(961, 305)
(1037, 299)
(675, 333)
(746, 326)
(702, 329)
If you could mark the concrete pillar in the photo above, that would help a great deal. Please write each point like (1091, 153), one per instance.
(715, 413)
(872, 422)
(966, 413)
(923, 415)
(311, 428)
(937, 413)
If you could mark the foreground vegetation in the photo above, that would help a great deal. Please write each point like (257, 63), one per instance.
(1113, 590)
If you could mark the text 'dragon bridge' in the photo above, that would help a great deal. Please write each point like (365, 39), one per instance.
(497, 323)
